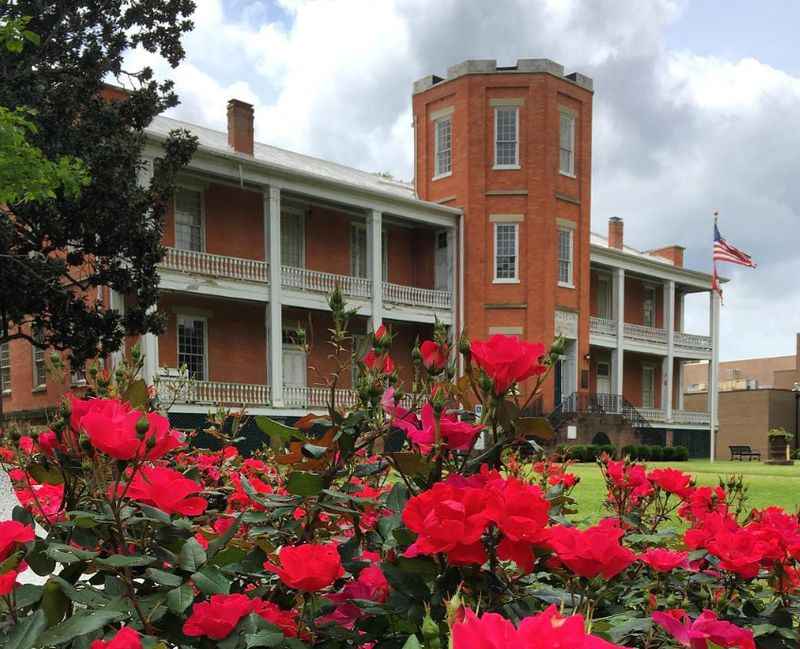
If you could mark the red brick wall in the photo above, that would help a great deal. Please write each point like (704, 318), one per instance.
(634, 301)
(632, 377)
(531, 191)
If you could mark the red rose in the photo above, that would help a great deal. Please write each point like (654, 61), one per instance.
(13, 534)
(706, 628)
(662, 560)
(308, 567)
(448, 519)
(740, 552)
(519, 510)
(111, 426)
(508, 360)
(434, 355)
(456, 435)
(381, 334)
(672, 481)
(126, 638)
(286, 621)
(48, 442)
(8, 580)
(168, 490)
(590, 552)
(370, 586)
(216, 618)
(489, 631)
(382, 363)
(43, 499)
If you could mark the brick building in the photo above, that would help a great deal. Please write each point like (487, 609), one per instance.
(493, 236)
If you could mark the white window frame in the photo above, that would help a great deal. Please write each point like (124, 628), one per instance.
(6, 388)
(384, 252)
(564, 112)
(570, 283)
(437, 172)
(497, 109)
(38, 385)
(647, 367)
(199, 190)
(506, 280)
(300, 215)
(204, 320)
(647, 289)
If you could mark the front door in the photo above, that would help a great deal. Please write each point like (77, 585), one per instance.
(648, 387)
(294, 366)
(443, 267)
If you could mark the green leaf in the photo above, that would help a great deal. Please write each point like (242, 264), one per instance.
(46, 475)
(412, 643)
(397, 498)
(179, 599)
(192, 556)
(54, 602)
(155, 514)
(211, 581)
(313, 451)
(136, 394)
(163, 578)
(26, 633)
(263, 639)
(303, 483)
(79, 624)
(279, 434)
(22, 515)
(24, 596)
(123, 561)
(221, 541)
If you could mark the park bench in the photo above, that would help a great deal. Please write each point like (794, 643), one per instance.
(743, 451)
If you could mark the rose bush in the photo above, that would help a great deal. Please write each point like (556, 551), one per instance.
(334, 535)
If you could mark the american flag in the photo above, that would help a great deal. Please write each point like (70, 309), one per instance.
(724, 251)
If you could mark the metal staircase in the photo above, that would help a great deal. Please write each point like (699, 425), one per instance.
(581, 404)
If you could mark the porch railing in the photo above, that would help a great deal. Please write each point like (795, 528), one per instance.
(303, 279)
(645, 334)
(213, 392)
(415, 296)
(602, 326)
(690, 417)
(204, 263)
(694, 342)
(314, 396)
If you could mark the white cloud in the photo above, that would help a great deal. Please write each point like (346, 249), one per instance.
(676, 134)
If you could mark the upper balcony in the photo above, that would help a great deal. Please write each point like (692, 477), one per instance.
(603, 333)
(226, 276)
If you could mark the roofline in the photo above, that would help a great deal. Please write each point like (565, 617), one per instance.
(242, 158)
(655, 264)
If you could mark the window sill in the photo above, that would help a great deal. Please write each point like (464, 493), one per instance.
(505, 281)
(567, 175)
(565, 285)
(39, 388)
(506, 167)
(444, 175)
(6, 392)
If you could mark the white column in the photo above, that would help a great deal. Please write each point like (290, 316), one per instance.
(375, 264)
(713, 372)
(272, 207)
(669, 361)
(681, 387)
(682, 318)
(117, 303)
(149, 349)
(619, 316)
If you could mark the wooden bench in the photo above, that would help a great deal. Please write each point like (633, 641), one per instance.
(743, 451)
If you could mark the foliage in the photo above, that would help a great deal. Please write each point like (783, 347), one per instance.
(61, 132)
(330, 536)
(780, 433)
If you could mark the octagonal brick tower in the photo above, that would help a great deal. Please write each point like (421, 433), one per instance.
(512, 147)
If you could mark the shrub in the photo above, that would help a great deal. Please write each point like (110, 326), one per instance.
(681, 453)
(656, 453)
(668, 453)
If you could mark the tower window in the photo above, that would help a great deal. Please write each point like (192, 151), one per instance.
(565, 257)
(566, 163)
(506, 137)
(444, 142)
(506, 252)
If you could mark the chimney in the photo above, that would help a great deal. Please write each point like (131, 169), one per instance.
(671, 253)
(615, 232)
(240, 126)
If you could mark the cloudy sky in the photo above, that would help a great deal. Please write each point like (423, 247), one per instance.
(697, 108)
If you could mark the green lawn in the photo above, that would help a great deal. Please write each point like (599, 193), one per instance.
(767, 485)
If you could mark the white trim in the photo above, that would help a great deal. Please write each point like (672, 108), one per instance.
(494, 102)
(436, 115)
(567, 223)
(191, 187)
(506, 218)
(505, 280)
(566, 112)
(516, 164)
(508, 331)
(204, 320)
(436, 124)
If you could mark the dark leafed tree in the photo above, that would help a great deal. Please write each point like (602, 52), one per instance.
(58, 250)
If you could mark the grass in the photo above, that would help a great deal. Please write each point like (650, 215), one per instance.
(767, 484)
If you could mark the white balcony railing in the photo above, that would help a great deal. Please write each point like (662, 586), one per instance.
(415, 296)
(693, 342)
(602, 326)
(652, 414)
(213, 392)
(303, 279)
(640, 333)
(296, 396)
(203, 263)
(690, 417)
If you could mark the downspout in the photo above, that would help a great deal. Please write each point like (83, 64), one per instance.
(461, 286)
(414, 128)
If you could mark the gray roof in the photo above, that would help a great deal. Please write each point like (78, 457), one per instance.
(218, 141)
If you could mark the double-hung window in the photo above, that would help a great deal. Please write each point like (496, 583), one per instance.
(506, 252)
(443, 156)
(648, 386)
(192, 346)
(565, 256)
(189, 219)
(358, 252)
(293, 239)
(566, 162)
(649, 307)
(39, 369)
(506, 137)
(5, 368)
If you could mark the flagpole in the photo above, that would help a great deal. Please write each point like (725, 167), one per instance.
(713, 371)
